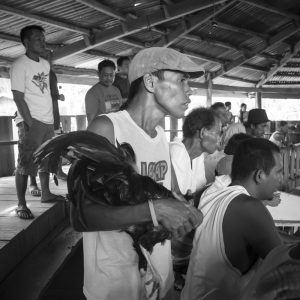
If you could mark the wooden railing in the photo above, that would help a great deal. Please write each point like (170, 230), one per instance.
(7, 142)
(291, 167)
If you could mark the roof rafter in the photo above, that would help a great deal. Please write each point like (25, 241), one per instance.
(280, 65)
(195, 21)
(14, 38)
(102, 8)
(241, 30)
(50, 21)
(239, 79)
(131, 26)
(279, 37)
(262, 5)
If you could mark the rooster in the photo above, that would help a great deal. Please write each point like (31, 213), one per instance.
(106, 175)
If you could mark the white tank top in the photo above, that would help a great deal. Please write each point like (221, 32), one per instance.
(110, 261)
(210, 274)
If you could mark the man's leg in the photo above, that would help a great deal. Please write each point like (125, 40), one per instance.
(47, 196)
(33, 187)
(23, 168)
(22, 210)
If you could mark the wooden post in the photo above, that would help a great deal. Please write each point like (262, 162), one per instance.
(7, 157)
(258, 100)
(209, 90)
(81, 122)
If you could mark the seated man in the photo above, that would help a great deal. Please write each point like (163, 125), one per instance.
(237, 229)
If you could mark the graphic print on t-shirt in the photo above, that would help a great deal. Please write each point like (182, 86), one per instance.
(155, 170)
(40, 80)
(112, 103)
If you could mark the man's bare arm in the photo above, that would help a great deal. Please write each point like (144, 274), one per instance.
(22, 107)
(171, 213)
(259, 228)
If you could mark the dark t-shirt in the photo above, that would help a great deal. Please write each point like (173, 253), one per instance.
(123, 85)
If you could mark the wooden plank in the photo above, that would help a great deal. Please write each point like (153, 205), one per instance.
(55, 250)
(2, 244)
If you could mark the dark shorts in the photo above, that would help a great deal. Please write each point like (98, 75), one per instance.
(30, 138)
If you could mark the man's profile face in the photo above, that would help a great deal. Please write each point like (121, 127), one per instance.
(36, 43)
(212, 137)
(273, 180)
(260, 129)
(172, 93)
(107, 76)
(223, 115)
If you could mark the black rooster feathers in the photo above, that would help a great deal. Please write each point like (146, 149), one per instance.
(106, 175)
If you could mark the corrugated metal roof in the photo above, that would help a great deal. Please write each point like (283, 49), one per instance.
(231, 35)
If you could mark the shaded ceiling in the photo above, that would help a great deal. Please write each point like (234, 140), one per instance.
(248, 43)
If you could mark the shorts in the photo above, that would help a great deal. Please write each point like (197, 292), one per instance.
(30, 138)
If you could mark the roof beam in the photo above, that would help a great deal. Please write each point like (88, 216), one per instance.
(100, 53)
(132, 26)
(280, 65)
(49, 21)
(193, 22)
(241, 30)
(131, 42)
(262, 5)
(279, 37)
(234, 78)
(96, 5)
(220, 87)
(14, 38)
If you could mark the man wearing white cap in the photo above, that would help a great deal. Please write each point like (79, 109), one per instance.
(158, 78)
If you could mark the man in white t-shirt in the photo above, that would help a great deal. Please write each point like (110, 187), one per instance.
(31, 92)
(159, 86)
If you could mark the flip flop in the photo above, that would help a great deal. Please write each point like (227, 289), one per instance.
(35, 191)
(54, 199)
(23, 212)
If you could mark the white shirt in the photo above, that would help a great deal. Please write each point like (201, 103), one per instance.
(190, 175)
(110, 261)
(32, 79)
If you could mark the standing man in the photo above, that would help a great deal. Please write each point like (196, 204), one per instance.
(31, 92)
(121, 79)
(159, 87)
(103, 97)
(229, 113)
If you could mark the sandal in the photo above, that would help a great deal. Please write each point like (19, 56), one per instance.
(35, 191)
(23, 212)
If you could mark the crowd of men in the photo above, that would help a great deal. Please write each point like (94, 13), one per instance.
(233, 231)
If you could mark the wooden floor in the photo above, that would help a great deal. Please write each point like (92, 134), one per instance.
(18, 237)
(10, 225)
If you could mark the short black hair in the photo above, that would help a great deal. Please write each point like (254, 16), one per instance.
(251, 155)
(217, 105)
(121, 59)
(26, 32)
(243, 105)
(106, 63)
(228, 103)
(197, 119)
(234, 141)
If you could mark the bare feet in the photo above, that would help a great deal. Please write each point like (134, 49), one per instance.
(46, 198)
